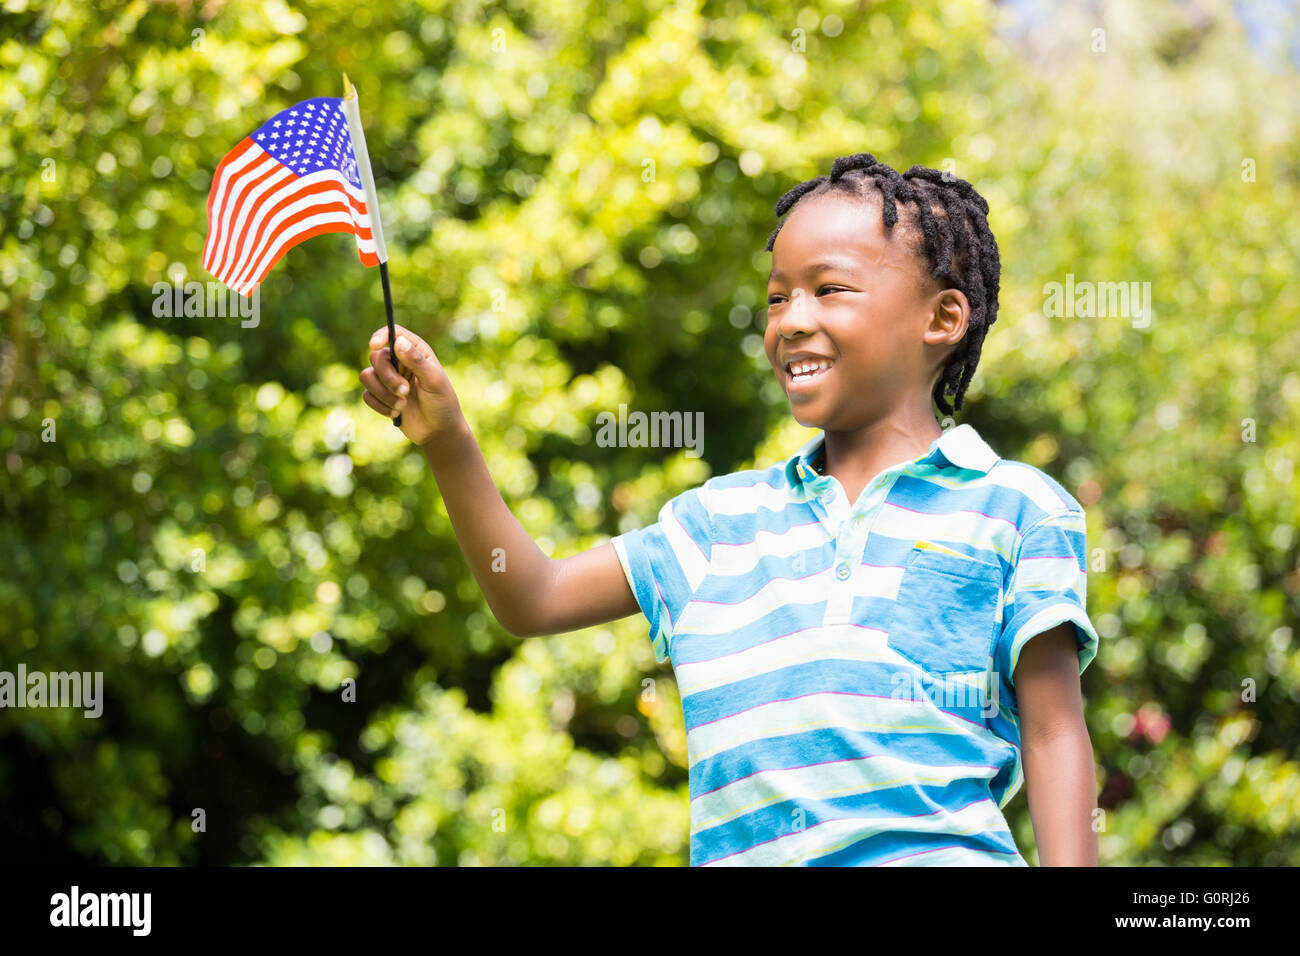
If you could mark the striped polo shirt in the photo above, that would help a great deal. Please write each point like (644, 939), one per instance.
(846, 668)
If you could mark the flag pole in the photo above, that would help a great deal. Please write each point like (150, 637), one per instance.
(352, 110)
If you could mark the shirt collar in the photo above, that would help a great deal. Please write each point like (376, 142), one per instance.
(961, 447)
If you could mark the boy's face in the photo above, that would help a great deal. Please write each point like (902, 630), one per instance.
(843, 291)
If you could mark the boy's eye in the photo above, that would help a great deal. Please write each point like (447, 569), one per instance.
(772, 299)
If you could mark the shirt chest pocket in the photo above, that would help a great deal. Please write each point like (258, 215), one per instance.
(945, 618)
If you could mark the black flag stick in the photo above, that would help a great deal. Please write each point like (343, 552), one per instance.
(388, 308)
(352, 110)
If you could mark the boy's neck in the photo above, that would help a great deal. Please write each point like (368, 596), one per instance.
(854, 458)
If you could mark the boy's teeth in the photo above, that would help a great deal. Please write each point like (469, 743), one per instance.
(803, 368)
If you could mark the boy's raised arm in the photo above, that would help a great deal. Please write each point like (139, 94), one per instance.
(529, 593)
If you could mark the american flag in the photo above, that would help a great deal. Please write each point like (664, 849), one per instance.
(295, 177)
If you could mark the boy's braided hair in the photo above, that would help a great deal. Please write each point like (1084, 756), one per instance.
(958, 245)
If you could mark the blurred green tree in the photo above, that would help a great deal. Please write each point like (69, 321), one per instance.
(577, 198)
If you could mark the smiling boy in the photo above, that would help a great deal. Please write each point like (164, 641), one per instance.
(812, 609)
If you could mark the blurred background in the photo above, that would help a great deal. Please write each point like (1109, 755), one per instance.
(576, 198)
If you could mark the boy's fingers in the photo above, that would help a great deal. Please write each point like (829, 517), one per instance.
(379, 390)
(415, 354)
(377, 405)
(380, 337)
(390, 376)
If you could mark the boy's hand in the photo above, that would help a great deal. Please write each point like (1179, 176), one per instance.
(418, 389)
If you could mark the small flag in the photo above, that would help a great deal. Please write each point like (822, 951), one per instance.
(295, 177)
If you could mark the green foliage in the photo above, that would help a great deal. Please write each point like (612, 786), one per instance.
(576, 198)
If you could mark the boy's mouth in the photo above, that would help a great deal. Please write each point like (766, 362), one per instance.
(805, 372)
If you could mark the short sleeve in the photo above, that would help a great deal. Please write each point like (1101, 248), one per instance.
(1048, 587)
(665, 563)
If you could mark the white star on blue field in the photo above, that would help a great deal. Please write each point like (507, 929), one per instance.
(311, 137)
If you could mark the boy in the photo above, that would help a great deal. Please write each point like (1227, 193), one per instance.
(850, 629)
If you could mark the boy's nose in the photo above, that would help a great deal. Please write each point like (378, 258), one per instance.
(796, 320)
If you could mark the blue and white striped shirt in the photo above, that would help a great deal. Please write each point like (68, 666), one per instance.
(846, 669)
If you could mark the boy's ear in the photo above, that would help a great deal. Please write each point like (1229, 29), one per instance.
(948, 320)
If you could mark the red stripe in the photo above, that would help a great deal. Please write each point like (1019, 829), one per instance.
(236, 254)
(217, 179)
(218, 173)
(273, 204)
(233, 202)
(233, 214)
(281, 199)
(302, 237)
(288, 227)
(261, 212)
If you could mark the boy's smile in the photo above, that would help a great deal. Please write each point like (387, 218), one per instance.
(848, 309)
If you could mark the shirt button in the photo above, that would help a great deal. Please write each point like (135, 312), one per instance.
(828, 496)
(842, 572)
